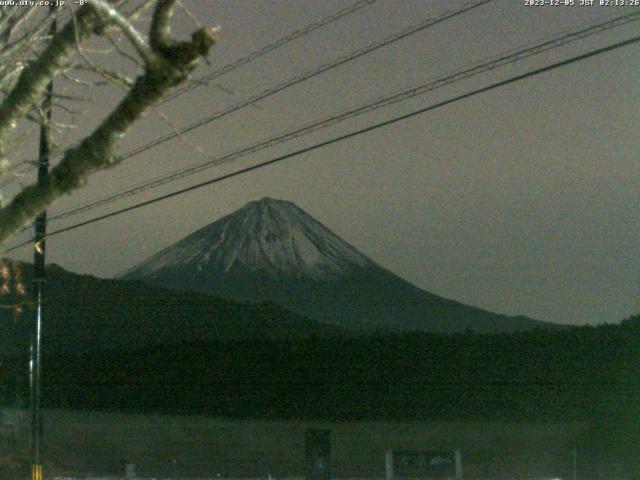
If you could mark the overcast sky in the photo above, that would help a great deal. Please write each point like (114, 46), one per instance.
(523, 200)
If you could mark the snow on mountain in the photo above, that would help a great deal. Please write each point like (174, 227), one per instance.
(267, 236)
(272, 251)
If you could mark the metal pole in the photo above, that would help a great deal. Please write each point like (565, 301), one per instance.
(35, 361)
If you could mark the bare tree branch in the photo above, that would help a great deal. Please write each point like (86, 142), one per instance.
(137, 40)
(35, 77)
(168, 62)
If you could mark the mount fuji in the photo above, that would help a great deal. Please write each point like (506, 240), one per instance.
(272, 250)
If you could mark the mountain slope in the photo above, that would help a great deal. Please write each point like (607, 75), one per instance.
(83, 313)
(271, 250)
(268, 236)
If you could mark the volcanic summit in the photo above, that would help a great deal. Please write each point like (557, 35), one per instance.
(272, 250)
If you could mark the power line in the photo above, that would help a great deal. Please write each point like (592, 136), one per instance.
(495, 62)
(279, 43)
(388, 40)
(346, 136)
(354, 55)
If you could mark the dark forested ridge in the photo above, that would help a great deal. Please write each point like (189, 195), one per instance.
(85, 313)
(587, 373)
(155, 350)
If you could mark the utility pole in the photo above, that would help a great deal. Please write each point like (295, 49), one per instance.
(35, 354)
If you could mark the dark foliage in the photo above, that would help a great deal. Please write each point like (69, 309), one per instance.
(154, 350)
(85, 313)
(585, 374)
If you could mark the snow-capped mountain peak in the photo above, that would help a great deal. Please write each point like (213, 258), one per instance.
(269, 236)
(272, 251)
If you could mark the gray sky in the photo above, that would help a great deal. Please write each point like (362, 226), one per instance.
(520, 201)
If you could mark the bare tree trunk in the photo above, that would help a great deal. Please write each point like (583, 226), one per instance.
(166, 63)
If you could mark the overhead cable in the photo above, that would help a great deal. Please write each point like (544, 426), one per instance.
(510, 57)
(360, 52)
(340, 138)
(256, 54)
